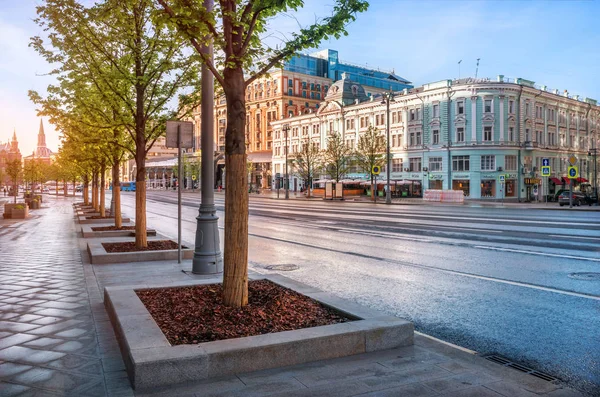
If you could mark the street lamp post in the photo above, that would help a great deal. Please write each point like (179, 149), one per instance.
(593, 153)
(286, 129)
(387, 97)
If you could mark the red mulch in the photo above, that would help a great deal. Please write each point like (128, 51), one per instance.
(189, 315)
(99, 217)
(129, 246)
(111, 228)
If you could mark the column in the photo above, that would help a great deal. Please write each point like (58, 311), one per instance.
(501, 99)
(473, 119)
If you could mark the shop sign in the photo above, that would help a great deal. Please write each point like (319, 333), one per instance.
(415, 176)
(511, 176)
(436, 177)
(461, 176)
(532, 181)
(488, 176)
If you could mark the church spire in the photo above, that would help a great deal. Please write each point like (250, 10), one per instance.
(14, 134)
(41, 135)
(14, 145)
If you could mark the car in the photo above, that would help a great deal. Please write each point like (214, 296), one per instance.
(79, 189)
(578, 198)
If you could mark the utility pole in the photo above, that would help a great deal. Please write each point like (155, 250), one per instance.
(388, 96)
(594, 152)
(207, 252)
(286, 129)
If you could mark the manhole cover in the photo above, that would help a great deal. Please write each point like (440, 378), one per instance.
(589, 276)
(284, 268)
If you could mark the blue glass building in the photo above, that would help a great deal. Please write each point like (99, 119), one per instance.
(326, 63)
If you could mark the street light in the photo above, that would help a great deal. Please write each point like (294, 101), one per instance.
(593, 153)
(387, 98)
(286, 128)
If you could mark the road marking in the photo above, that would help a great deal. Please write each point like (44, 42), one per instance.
(583, 258)
(567, 236)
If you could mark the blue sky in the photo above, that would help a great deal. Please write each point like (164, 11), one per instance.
(555, 43)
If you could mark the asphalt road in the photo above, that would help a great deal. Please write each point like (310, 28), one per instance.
(520, 283)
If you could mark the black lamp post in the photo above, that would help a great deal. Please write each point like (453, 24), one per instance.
(286, 129)
(593, 153)
(387, 98)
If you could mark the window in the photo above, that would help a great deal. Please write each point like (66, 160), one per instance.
(488, 163)
(412, 114)
(396, 165)
(290, 92)
(318, 95)
(303, 94)
(460, 107)
(435, 137)
(552, 138)
(419, 136)
(291, 113)
(510, 163)
(511, 107)
(487, 107)
(539, 137)
(460, 163)
(418, 114)
(527, 135)
(527, 110)
(487, 133)
(304, 84)
(414, 164)
(435, 164)
(290, 83)
(511, 134)
(312, 86)
(394, 118)
(436, 111)
(460, 134)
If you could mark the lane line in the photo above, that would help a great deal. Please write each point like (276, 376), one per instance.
(583, 258)
(569, 236)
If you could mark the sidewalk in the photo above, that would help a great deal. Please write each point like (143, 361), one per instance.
(56, 340)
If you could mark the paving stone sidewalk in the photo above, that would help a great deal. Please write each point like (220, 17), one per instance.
(56, 339)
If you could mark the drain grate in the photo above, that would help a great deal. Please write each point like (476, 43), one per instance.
(507, 363)
(588, 276)
(283, 268)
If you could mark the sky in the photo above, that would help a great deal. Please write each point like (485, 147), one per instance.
(554, 43)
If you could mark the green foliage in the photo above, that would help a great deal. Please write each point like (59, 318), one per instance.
(14, 171)
(19, 207)
(337, 156)
(370, 150)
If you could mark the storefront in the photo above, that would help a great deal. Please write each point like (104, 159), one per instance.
(462, 182)
(531, 187)
(511, 188)
(436, 182)
(488, 188)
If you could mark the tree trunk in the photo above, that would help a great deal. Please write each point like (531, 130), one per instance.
(103, 190)
(94, 197)
(86, 191)
(56, 187)
(235, 276)
(116, 194)
(65, 192)
(141, 240)
(74, 188)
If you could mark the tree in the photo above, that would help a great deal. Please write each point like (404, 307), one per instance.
(14, 171)
(235, 28)
(337, 157)
(134, 63)
(307, 162)
(370, 152)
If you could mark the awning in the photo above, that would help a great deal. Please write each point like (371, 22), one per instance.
(260, 157)
(581, 180)
(567, 181)
(556, 181)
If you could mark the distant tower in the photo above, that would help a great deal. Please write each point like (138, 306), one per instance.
(14, 144)
(41, 135)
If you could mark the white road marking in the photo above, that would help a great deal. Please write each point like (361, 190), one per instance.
(583, 258)
(582, 237)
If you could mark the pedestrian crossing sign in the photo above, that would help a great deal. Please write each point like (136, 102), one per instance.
(545, 170)
(501, 178)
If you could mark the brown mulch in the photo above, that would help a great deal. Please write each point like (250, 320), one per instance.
(99, 217)
(129, 246)
(189, 315)
(111, 228)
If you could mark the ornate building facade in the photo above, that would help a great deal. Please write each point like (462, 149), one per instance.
(9, 151)
(461, 134)
(299, 87)
(41, 152)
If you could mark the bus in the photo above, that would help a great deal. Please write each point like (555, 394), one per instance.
(128, 186)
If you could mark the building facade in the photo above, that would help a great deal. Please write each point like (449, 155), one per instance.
(462, 135)
(297, 88)
(41, 153)
(9, 151)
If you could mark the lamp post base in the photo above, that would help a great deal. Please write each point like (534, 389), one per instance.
(207, 253)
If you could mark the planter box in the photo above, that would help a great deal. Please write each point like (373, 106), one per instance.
(19, 214)
(98, 254)
(152, 362)
(85, 220)
(87, 232)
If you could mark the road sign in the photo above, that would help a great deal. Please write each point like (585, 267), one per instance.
(376, 170)
(545, 170)
(545, 162)
(573, 172)
(535, 190)
(186, 129)
(193, 177)
(501, 178)
(572, 159)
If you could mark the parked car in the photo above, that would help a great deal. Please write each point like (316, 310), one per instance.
(578, 198)
(79, 188)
